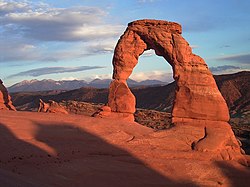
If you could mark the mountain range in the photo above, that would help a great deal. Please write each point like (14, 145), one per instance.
(235, 88)
(49, 84)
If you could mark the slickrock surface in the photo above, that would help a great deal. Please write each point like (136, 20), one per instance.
(46, 149)
(5, 99)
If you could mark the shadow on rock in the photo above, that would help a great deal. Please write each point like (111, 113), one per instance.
(237, 175)
(85, 159)
(14, 154)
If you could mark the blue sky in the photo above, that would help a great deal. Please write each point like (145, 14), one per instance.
(74, 39)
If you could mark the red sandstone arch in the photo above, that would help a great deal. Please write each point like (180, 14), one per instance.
(200, 113)
(197, 96)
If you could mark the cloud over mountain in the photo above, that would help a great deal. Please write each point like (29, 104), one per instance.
(223, 69)
(53, 70)
(238, 58)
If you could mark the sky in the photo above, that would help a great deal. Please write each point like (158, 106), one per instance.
(75, 39)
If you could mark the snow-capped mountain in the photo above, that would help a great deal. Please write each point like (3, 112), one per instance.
(49, 84)
(46, 84)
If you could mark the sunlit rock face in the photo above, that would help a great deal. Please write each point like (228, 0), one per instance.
(197, 95)
(5, 99)
(51, 107)
(198, 103)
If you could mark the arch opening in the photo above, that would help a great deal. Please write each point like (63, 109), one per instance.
(154, 96)
(152, 67)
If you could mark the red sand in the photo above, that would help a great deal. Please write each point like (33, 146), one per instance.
(41, 149)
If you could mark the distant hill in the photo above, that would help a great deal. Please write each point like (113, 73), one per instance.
(235, 88)
(48, 84)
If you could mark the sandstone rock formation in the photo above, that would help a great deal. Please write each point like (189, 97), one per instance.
(196, 92)
(5, 99)
(198, 102)
(51, 107)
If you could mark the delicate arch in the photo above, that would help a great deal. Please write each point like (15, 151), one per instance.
(197, 96)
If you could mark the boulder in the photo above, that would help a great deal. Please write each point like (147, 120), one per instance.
(120, 92)
(51, 107)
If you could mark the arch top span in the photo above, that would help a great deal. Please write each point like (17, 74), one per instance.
(165, 26)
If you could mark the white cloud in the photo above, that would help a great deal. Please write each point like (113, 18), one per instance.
(152, 75)
(237, 58)
(17, 50)
(26, 26)
(59, 24)
(53, 70)
(146, 1)
(6, 7)
(93, 32)
(227, 69)
(148, 53)
(89, 78)
(194, 46)
(69, 78)
(106, 46)
(103, 76)
(137, 76)
(224, 69)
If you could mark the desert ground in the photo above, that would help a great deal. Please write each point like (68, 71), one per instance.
(46, 149)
